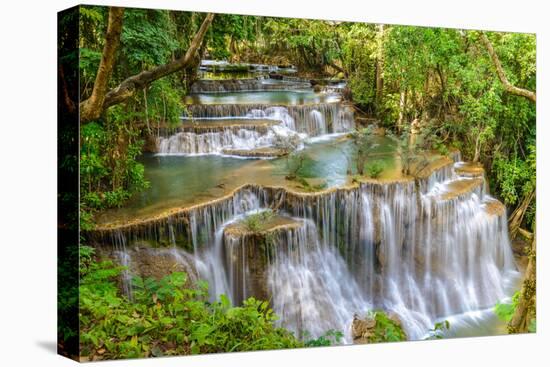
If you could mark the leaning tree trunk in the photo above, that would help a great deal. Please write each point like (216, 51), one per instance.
(92, 107)
(526, 308)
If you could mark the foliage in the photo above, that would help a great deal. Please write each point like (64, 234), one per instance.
(167, 318)
(439, 330)
(227, 30)
(109, 172)
(295, 163)
(450, 81)
(505, 311)
(254, 222)
(331, 337)
(374, 169)
(364, 144)
(386, 329)
(359, 53)
(312, 44)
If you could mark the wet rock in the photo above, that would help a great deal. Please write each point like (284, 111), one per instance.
(267, 152)
(469, 169)
(157, 263)
(364, 331)
(276, 76)
(248, 249)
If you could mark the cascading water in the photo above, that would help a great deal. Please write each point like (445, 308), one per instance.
(312, 288)
(212, 142)
(215, 142)
(430, 249)
(247, 85)
(423, 254)
(337, 117)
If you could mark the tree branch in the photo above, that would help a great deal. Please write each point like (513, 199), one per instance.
(92, 107)
(129, 86)
(502, 76)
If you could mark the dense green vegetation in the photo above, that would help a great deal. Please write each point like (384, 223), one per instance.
(441, 85)
(171, 317)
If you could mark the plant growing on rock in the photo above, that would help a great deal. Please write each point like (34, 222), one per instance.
(295, 163)
(254, 222)
(377, 327)
(375, 169)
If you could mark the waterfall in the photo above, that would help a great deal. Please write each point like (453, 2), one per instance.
(247, 85)
(305, 122)
(428, 250)
(274, 113)
(212, 142)
(337, 117)
(312, 288)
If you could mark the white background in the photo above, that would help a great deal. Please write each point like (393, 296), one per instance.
(28, 182)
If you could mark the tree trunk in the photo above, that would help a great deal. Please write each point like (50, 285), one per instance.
(146, 110)
(336, 67)
(477, 150)
(379, 66)
(502, 76)
(514, 222)
(402, 96)
(127, 88)
(92, 107)
(526, 308)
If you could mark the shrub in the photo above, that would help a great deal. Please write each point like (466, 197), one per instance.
(167, 318)
(254, 222)
(295, 163)
(386, 329)
(331, 337)
(375, 169)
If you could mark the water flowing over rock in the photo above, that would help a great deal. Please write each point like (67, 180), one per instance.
(246, 85)
(336, 116)
(425, 249)
(298, 121)
(211, 142)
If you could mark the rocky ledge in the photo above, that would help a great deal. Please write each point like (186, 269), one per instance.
(469, 169)
(265, 152)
